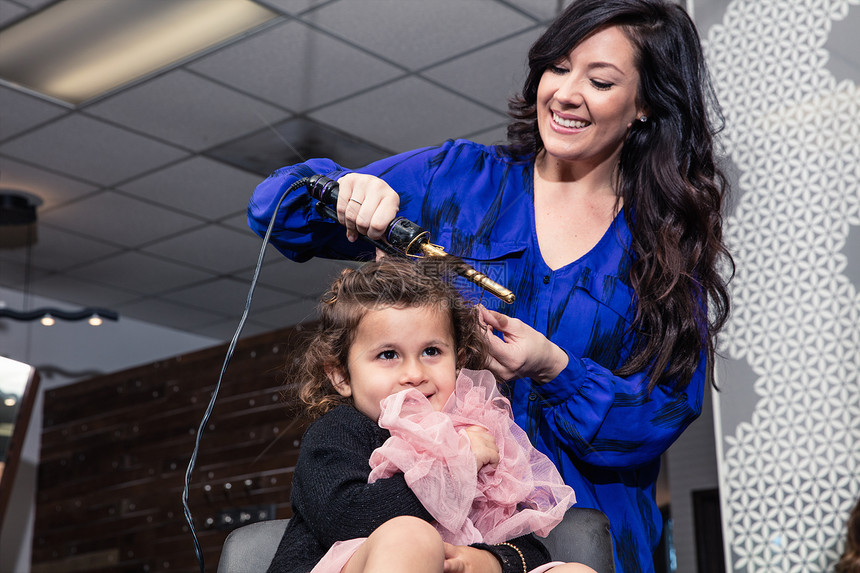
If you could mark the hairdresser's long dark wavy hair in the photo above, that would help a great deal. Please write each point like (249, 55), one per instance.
(670, 185)
(850, 560)
(374, 286)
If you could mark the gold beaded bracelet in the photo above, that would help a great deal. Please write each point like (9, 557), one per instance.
(520, 553)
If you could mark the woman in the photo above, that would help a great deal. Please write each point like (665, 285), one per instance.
(602, 214)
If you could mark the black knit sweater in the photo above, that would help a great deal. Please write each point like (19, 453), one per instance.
(332, 500)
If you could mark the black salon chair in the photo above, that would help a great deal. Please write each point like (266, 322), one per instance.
(582, 536)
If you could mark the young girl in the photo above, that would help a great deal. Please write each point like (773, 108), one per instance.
(388, 327)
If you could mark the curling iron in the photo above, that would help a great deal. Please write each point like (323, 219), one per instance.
(404, 238)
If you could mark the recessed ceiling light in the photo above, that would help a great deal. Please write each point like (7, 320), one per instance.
(76, 50)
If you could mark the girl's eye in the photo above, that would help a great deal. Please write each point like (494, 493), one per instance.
(432, 351)
(558, 70)
(388, 355)
(600, 85)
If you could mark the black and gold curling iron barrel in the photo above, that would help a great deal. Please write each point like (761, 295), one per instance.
(404, 238)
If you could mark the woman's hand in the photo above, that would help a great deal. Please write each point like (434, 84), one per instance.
(465, 559)
(483, 446)
(365, 205)
(523, 352)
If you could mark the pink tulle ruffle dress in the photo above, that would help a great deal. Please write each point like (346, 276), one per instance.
(523, 493)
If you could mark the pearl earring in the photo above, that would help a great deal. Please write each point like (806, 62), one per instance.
(643, 118)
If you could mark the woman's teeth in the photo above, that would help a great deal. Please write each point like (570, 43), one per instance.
(569, 122)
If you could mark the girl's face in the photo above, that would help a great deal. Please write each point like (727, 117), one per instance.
(399, 348)
(586, 102)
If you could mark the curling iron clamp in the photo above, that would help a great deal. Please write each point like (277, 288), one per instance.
(404, 238)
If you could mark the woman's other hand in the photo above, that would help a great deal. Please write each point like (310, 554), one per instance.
(483, 446)
(523, 352)
(365, 205)
(464, 559)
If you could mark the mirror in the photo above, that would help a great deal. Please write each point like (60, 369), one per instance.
(18, 385)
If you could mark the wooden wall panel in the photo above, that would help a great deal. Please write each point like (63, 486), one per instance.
(115, 450)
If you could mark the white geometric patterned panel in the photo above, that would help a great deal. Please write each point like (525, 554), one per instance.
(792, 472)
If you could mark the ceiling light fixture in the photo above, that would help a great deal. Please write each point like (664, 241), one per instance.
(76, 50)
(48, 316)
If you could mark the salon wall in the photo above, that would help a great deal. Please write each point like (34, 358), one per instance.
(63, 353)
(788, 416)
(115, 449)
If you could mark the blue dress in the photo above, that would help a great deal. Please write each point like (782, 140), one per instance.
(605, 433)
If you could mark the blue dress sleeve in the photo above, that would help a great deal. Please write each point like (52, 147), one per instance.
(612, 421)
(300, 233)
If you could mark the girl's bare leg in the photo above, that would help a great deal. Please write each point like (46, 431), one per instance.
(400, 544)
(572, 568)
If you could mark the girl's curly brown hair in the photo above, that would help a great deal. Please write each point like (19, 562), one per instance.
(374, 286)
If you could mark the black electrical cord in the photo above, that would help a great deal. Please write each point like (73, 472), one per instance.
(227, 358)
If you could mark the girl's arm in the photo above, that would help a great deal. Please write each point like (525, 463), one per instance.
(608, 420)
(522, 553)
(330, 488)
(331, 492)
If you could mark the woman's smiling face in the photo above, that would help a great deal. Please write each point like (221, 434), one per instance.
(586, 102)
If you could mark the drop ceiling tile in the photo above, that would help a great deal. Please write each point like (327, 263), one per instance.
(51, 188)
(227, 296)
(215, 248)
(285, 315)
(81, 292)
(497, 135)
(239, 222)
(294, 141)
(293, 6)
(10, 11)
(491, 75)
(20, 112)
(273, 256)
(416, 34)
(407, 114)
(200, 186)
(90, 150)
(15, 275)
(187, 110)
(119, 219)
(57, 250)
(181, 317)
(34, 3)
(309, 279)
(282, 65)
(226, 329)
(140, 273)
(543, 10)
